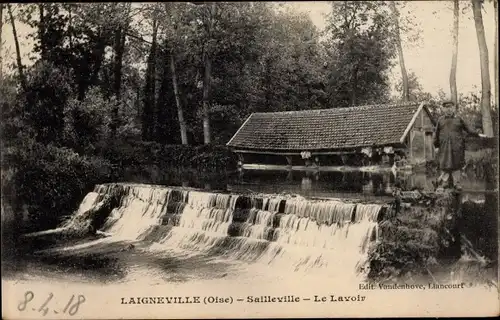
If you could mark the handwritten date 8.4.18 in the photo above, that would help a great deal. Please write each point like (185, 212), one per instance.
(44, 304)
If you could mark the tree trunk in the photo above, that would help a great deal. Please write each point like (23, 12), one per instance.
(100, 52)
(206, 111)
(495, 4)
(485, 72)
(117, 72)
(41, 32)
(206, 79)
(153, 80)
(148, 111)
(453, 71)
(399, 47)
(18, 49)
(118, 64)
(354, 87)
(1, 29)
(158, 74)
(119, 51)
(180, 113)
(91, 75)
(70, 27)
(117, 78)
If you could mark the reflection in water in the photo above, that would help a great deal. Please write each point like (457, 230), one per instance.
(306, 183)
(339, 184)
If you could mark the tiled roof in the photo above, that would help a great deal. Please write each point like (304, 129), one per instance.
(325, 129)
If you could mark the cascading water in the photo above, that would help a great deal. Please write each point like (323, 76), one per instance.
(284, 232)
(201, 223)
(140, 209)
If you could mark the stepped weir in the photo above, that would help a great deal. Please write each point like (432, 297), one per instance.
(278, 230)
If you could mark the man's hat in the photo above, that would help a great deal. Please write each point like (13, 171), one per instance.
(447, 103)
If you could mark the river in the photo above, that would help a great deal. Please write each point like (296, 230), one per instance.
(242, 234)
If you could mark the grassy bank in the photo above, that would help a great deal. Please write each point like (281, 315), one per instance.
(430, 237)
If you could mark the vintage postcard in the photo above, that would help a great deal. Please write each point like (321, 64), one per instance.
(170, 160)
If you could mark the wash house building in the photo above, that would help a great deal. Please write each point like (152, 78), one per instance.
(362, 135)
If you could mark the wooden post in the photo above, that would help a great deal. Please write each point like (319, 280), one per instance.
(410, 145)
(344, 158)
(433, 153)
(241, 159)
(425, 136)
(316, 161)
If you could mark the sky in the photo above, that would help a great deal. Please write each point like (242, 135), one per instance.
(430, 60)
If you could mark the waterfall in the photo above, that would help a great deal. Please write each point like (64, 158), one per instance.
(90, 201)
(141, 208)
(259, 224)
(200, 223)
(284, 232)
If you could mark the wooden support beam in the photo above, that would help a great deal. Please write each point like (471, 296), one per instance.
(241, 159)
(316, 161)
(410, 145)
(424, 135)
(313, 153)
(344, 158)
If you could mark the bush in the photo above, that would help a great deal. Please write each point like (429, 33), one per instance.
(48, 182)
(408, 243)
(44, 100)
(204, 157)
(132, 153)
(86, 122)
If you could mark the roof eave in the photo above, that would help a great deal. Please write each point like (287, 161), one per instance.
(395, 144)
(244, 123)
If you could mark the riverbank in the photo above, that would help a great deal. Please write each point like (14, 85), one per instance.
(438, 235)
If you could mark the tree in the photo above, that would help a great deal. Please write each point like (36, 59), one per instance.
(1, 43)
(45, 98)
(495, 5)
(453, 71)
(148, 118)
(415, 90)
(360, 50)
(180, 112)
(207, 66)
(291, 52)
(399, 47)
(485, 73)
(119, 49)
(177, 93)
(20, 67)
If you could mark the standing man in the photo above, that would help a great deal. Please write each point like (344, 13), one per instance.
(449, 138)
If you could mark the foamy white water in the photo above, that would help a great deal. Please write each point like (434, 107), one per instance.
(288, 234)
(140, 209)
